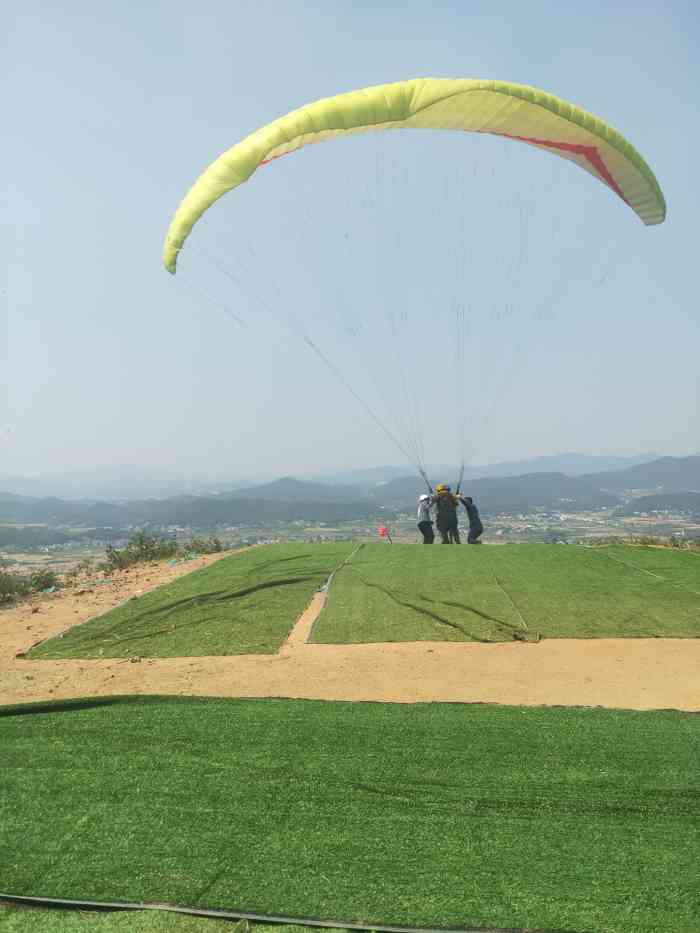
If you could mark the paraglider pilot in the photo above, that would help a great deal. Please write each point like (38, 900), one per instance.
(446, 506)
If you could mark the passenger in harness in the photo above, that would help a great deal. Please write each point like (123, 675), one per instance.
(446, 506)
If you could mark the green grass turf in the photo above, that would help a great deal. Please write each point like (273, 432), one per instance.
(43, 920)
(243, 604)
(433, 815)
(413, 593)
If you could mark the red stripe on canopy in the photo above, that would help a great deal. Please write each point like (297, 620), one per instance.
(588, 152)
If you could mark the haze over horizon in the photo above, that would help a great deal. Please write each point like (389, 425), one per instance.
(587, 340)
(132, 469)
(131, 482)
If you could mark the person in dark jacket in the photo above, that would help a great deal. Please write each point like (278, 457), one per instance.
(475, 527)
(446, 514)
(425, 520)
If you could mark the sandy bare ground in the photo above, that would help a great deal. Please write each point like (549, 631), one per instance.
(625, 673)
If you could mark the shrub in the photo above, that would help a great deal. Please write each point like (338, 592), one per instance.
(211, 545)
(42, 580)
(140, 548)
(12, 585)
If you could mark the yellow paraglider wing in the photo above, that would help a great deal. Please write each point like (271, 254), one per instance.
(515, 111)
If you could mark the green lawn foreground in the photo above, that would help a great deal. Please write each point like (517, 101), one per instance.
(392, 593)
(243, 604)
(423, 815)
(15, 919)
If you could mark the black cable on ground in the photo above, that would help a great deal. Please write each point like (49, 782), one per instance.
(57, 902)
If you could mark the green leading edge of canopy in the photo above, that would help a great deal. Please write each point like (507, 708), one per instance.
(514, 111)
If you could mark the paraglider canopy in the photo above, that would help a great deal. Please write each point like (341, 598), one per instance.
(479, 107)
(501, 108)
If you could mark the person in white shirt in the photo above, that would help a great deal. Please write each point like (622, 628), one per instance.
(425, 521)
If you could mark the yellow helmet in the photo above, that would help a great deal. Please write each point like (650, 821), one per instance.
(442, 488)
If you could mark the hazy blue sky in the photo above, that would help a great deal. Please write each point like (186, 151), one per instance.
(582, 325)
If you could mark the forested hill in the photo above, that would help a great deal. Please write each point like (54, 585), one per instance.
(667, 474)
(291, 500)
(191, 511)
(533, 491)
(293, 490)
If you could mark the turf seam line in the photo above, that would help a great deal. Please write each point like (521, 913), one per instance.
(327, 585)
(325, 589)
(29, 900)
(650, 573)
(512, 602)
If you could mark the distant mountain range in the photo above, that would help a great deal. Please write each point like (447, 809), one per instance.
(290, 500)
(191, 511)
(131, 482)
(667, 474)
(572, 464)
(546, 489)
(549, 491)
(290, 489)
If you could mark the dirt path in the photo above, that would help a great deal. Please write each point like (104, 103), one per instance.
(629, 673)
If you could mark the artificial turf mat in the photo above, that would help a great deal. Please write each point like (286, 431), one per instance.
(51, 920)
(526, 591)
(243, 604)
(431, 815)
